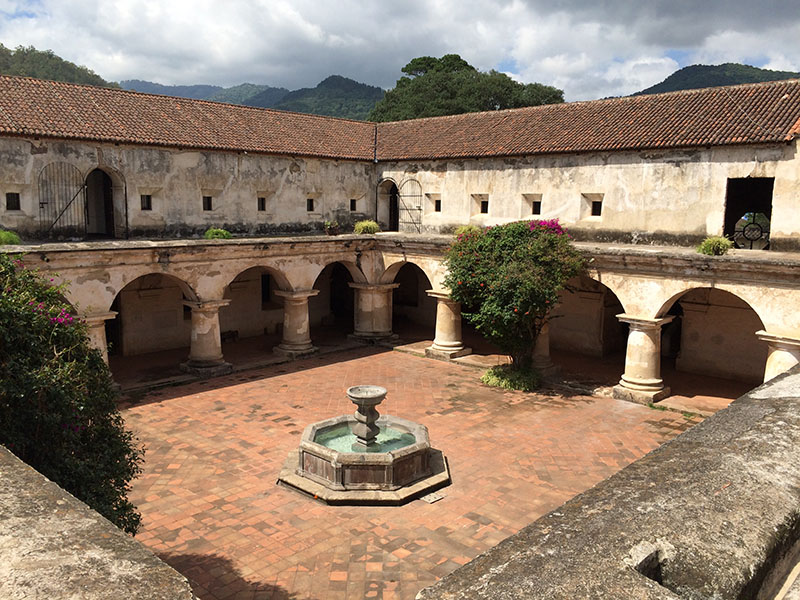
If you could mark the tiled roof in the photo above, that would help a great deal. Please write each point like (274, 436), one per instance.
(38, 108)
(743, 114)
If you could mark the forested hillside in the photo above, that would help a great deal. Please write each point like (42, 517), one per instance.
(44, 64)
(700, 76)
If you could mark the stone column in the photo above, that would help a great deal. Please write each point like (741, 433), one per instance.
(205, 353)
(97, 331)
(447, 342)
(541, 352)
(372, 318)
(782, 354)
(296, 328)
(642, 381)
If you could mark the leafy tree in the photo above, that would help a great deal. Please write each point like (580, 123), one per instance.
(508, 278)
(57, 400)
(449, 85)
(45, 64)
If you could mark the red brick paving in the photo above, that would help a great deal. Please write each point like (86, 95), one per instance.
(211, 507)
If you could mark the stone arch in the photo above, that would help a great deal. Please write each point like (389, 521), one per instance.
(391, 271)
(254, 308)
(151, 314)
(355, 271)
(713, 332)
(585, 319)
(412, 307)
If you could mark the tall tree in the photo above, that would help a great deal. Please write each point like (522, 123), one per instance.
(449, 85)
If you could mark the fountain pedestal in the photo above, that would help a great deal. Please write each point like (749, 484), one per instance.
(365, 458)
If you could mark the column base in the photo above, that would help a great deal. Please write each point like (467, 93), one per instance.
(294, 352)
(547, 370)
(206, 369)
(446, 353)
(620, 392)
(373, 338)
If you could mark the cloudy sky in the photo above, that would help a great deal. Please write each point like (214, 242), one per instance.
(590, 49)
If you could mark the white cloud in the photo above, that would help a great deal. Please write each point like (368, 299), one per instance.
(589, 49)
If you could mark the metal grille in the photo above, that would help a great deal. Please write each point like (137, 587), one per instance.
(410, 204)
(62, 199)
(752, 231)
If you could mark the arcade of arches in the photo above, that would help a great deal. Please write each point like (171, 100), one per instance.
(285, 296)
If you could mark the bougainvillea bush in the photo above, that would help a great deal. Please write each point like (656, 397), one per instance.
(57, 401)
(508, 278)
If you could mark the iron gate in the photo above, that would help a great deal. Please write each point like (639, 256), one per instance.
(410, 203)
(62, 199)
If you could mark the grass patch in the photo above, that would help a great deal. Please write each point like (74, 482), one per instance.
(656, 406)
(503, 376)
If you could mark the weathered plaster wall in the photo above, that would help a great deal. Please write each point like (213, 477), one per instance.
(53, 546)
(676, 196)
(177, 180)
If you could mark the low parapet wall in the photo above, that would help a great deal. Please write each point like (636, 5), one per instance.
(715, 513)
(55, 547)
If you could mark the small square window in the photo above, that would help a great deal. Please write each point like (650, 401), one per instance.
(12, 201)
(437, 206)
(207, 202)
(484, 207)
(537, 207)
(597, 208)
(262, 204)
(146, 201)
(309, 205)
(353, 205)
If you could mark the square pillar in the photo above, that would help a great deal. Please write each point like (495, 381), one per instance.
(783, 352)
(447, 342)
(642, 381)
(205, 353)
(296, 326)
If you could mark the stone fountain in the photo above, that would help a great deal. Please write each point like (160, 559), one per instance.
(365, 458)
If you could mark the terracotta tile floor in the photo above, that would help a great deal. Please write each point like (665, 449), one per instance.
(211, 507)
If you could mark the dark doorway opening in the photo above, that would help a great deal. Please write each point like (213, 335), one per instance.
(394, 209)
(99, 205)
(748, 211)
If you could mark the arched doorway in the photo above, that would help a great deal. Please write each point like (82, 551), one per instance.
(587, 340)
(99, 205)
(151, 333)
(413, 311)
(713, 334)
(388, 209)
(253, 321)
(331, 311)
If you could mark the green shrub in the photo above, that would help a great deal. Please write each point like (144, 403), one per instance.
(525, 379)
(58, 408)
(215, 233)
(366, 226)
(8, 237)
(715, 246)
(466, 230)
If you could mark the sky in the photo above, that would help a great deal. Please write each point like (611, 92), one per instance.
(590, 49)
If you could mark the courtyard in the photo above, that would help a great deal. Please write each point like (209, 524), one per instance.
(211, 507)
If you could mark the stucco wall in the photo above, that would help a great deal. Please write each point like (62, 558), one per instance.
(676, 196)
(177, 180)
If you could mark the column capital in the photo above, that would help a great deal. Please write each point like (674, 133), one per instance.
(375, 287)
(779, 340)
(296, 295)
(206, 305)
(644, 323)
(94, 319)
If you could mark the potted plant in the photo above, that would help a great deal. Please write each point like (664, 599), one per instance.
(331, 227)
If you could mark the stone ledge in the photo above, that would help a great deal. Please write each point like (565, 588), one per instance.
(711, 514)
(53, 546)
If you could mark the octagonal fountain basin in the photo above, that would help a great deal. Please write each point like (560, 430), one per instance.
(365, 458)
